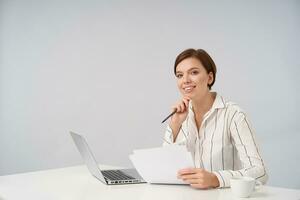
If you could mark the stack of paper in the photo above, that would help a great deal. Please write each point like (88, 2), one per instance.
(160, 165)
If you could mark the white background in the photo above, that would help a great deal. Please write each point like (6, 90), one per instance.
(105, 69)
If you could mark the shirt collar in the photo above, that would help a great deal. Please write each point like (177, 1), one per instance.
(219, 102)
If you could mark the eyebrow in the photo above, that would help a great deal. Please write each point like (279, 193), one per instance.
(188, 70)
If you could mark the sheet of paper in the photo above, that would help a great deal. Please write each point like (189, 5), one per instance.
(160, 165)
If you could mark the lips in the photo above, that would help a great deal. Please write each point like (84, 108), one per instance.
(188, 88)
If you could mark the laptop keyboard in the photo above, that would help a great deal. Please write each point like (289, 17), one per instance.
(116, 175)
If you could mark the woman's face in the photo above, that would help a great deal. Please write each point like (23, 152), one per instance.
(192, 78)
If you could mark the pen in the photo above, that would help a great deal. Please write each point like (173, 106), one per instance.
(170, 115)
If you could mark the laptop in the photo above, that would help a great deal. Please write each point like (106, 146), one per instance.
(109, 177)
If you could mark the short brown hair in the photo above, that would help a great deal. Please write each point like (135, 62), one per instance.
(202, 56)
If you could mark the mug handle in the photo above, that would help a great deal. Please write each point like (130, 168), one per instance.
(258, 185)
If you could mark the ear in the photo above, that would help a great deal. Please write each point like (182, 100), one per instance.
(210, 78)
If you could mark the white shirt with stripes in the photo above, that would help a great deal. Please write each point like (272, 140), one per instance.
(225, 144)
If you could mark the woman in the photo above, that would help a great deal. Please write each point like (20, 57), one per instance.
(217, 132)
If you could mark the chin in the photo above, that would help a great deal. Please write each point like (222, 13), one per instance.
(190, 95)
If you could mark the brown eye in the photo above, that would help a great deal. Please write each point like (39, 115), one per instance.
(195, 72)
(178, 75)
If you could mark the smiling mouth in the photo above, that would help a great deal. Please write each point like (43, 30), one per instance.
(189, 89)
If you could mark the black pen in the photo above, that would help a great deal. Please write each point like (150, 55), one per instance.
(170, 115)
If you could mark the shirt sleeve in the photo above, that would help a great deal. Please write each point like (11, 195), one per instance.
(181, 137)
(244, 141)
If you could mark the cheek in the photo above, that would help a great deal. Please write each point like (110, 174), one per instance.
(178, 84)
(201, 80)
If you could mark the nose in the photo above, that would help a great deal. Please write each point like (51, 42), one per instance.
(186, 78)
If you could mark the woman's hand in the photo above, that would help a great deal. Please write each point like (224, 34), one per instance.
(198, 178)
(178, 118)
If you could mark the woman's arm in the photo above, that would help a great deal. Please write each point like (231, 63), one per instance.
(244, 141)
(175, 133)
(181, 137)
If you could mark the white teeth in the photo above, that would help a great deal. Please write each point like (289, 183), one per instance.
(188, 88)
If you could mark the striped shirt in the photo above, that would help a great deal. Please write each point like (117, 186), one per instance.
(225, 144)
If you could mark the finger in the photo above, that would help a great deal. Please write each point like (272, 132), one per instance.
(186, 176)
(189, 171)
(187, 98)
(186, 102)
(189, 176)
(182, 106)
(193, 181)
(178, 108)
(199, 186)
(174, 108)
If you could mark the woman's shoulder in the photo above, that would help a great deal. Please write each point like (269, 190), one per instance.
(233, 111)
(232, 107)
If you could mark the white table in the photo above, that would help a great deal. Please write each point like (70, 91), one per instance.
(74, 183)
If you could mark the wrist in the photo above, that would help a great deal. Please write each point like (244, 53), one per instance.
(175, 130)
(215, 181)
(175, 127)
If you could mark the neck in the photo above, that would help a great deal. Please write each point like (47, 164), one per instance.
(203, 105)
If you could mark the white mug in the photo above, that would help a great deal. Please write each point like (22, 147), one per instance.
(244, 186)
